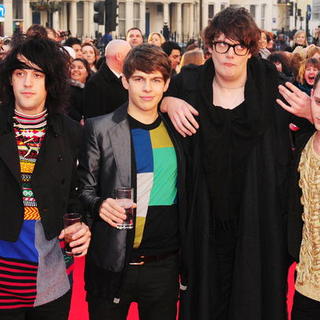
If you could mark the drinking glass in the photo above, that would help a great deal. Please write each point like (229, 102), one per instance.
(72, 224)
(124, 198)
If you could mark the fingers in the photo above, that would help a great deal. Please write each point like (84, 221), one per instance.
(284, 106)
(183, 120)
(81, 240)
(111, 212)
(61, 235)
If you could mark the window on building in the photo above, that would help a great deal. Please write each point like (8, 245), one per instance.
(17, 10)
(136, 14)
(17, 15)
(210, 11)
(253, 11)
(122, 19)
(80, 19)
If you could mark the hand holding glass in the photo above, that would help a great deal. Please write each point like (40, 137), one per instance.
(72, 224)
(124, 198)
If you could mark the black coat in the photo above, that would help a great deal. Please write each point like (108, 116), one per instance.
(54, 180)
(76, 106)
(103, 93)
(261, 260)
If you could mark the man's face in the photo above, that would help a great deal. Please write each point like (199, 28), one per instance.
(145, 90)
(175, 57)
(134, 37)
(29, 88)
(315, 106)
(229, 66)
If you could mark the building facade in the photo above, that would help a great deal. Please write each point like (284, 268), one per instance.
(184, 18)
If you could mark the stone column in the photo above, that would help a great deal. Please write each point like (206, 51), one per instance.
(179, 21)
(91, 24)
(8, 18)
(43, 17)
(258, 15)
(27, 15)
(73, 18)
(205, 14)
(87, 19)
(191, 19)
(63, 17)
(56, 20)
(129, 14)
(268, 19)
(166, 18)
(142, 25)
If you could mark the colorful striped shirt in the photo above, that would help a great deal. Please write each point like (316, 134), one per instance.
(33, 270)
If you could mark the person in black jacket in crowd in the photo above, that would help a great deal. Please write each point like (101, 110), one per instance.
(135, 146)
(104, 92)
(79, 75)
(237, 246)
(38, 183)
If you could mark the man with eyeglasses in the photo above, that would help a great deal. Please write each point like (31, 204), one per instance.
(237, 247)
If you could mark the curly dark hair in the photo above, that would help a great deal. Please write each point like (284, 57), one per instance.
(147, 58)
(236, 24)
(51, 58)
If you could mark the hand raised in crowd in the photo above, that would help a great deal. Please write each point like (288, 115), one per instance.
(80, 240)
(299, 102)
(112, 213)
(181, 115)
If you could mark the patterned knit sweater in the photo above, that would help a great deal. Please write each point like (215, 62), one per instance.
(33, 270)
(308, 269)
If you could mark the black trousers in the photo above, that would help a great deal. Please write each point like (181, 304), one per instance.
(54, 310)
(154, 286)
(305, 308)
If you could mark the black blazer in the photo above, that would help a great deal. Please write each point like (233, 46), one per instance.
(105, 164)
(103, 93)
(54, 180)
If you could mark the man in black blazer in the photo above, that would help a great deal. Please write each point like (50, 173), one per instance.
(38, 183)
(104, 92)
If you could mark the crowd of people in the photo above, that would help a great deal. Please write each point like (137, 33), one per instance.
(218, 145)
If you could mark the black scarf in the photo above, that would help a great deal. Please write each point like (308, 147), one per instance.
(228, 136)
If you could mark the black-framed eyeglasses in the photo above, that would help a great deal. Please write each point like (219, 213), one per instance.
(223, 47)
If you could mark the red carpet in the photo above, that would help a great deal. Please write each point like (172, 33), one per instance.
(79, 309)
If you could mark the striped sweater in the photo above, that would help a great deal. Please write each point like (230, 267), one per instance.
(33, 270)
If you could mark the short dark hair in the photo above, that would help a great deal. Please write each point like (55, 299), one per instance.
(37, 30)
(47, 55)
(134, 28)
(236, 24)
(147, 58)
(168, 46)
(72, 41)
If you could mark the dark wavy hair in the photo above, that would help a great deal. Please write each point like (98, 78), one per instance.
(147, 58)
(236, 24)
(51, 58)
(279, 56)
